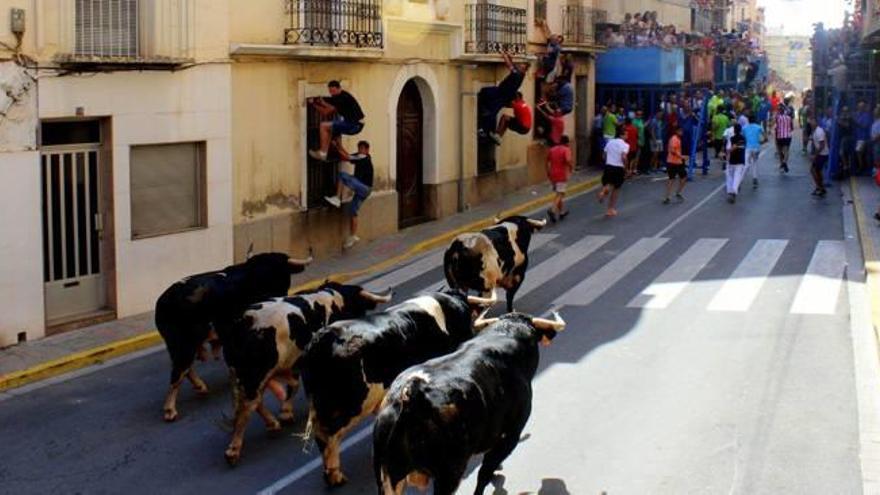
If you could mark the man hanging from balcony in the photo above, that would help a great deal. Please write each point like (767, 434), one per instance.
(491, 99)
(348, 119)
(521, 120)
(548, 70)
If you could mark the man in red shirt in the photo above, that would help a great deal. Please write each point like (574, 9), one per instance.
(675, 166)
(559, 167)
(521, 120)
(556, 120)
(631, 136)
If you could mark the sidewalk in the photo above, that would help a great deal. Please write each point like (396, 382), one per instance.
(866, 199)
(51, 356)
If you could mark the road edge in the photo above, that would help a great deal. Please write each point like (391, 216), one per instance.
(102, 353)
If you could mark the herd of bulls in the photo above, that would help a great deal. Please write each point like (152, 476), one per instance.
(444, 381)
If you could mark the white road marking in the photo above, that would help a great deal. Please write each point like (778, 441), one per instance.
(665, 288)
(314, 464)
(689, 212)
(604, 278)
(740, 289)
(560, 262)
(820, 286)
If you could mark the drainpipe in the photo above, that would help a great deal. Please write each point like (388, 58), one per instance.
(461, 94)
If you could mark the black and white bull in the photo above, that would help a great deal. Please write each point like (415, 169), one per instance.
(476, 400)
(348, 366)
(201, 307)
(494, 257)
(266, 342)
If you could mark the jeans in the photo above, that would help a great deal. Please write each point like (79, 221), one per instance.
(361, 192)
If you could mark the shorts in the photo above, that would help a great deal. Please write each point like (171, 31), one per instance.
(783, 142)
(342, 126)
(676, 171)
(517, 127)
(656, 146)
(860, 145)
(361, 192)
(560, 187)
(819, 162)
(613, 176)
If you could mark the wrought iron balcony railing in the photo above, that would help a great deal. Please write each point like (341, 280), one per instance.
(351, 23)
(491, 28)
(579, 23)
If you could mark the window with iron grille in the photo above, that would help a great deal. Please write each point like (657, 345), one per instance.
(321, 175)
(492, 28)
(356, 23)
(167, 188)
(106, 28)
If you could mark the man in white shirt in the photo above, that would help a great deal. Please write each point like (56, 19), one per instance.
(820, 159)
(612, 177)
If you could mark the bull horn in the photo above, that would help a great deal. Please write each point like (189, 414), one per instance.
(483, 301)
(482, 322)
(377, 298)
(537, 224)
(301, 262)
(557, 324)
(497, 218)
(250, 252)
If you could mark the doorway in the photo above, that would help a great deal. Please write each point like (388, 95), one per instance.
(582, 123)
(410, 157)
(76, 256)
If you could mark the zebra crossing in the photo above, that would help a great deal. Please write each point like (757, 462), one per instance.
(818, 288)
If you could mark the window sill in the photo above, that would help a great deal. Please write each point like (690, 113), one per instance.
(168, 233)
(95, 62)
(305, 51)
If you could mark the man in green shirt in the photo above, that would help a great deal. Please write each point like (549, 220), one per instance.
(720, 123)
(609, 123)
(639, 123)
(716, 101)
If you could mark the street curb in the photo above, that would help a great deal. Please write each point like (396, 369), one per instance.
(81, 359)
(869, 256)
(77, 360)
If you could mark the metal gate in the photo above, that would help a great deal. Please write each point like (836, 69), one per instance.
(72, 232)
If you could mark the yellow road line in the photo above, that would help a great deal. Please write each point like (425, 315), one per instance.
(869, 254)
(96, 355)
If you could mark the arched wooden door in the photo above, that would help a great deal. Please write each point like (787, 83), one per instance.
(410, 124)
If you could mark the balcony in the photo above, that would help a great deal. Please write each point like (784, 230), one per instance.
(345, 23)
(492, 29)
(579, 24)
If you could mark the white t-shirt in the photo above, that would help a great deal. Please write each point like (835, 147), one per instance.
(819, 137)
(613, 151)
(728, 133)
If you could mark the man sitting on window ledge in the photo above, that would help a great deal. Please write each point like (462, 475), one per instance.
(491, 99)
(348, 120)
(361, 184)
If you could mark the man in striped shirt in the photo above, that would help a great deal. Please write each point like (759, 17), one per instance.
(784, 128)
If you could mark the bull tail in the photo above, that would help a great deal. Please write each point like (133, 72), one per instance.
(401, 435)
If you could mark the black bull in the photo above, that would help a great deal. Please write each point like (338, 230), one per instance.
(494, 257)
(476, 400)
(203, 306)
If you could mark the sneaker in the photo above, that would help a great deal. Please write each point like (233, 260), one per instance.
(731, 198)
(755, 183)
(815, 192)
(318, 155)
(666, 201)
(351, 241)
(679, 197)
(495, 137)
(333, 200)
(563, 214)
(822, 193)
(551, 215)
(611, 212)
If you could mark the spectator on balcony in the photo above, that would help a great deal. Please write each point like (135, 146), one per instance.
(521, 120)
(361, 184)
(863, 135)
(613, 39)
(491, 99)
(348, 119)
(549, 68)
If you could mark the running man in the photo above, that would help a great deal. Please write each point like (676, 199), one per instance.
(784, 127)
(348, 120)
(675, 166)
(614, 174)
(736, 163)
(559, 168)
(491, 99)
(754, 134)
(361, 184)
(820, 158)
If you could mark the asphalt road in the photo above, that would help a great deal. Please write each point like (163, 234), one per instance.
(707, 355)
